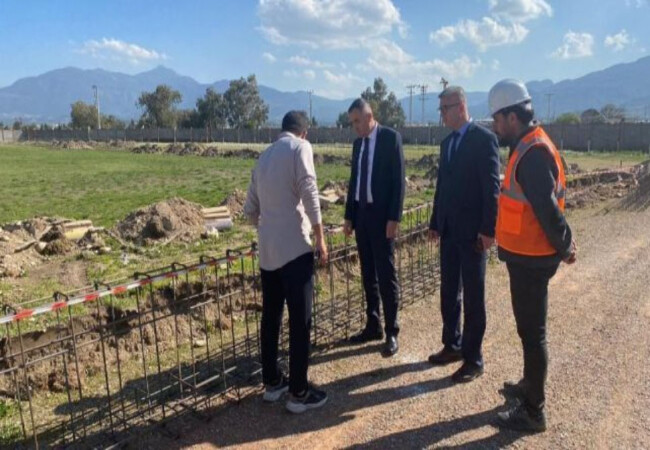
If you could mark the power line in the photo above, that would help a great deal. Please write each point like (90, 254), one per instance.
(423, 98)
(411, 88)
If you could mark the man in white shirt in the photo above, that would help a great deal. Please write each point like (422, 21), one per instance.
(283, 202)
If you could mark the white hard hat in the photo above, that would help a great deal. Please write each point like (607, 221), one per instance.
(506, 93)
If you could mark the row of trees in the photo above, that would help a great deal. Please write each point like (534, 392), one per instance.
(608, 114)
(239, 107)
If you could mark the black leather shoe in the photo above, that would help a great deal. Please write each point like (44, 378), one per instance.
(367, 335)
(445, 356)
(520, 419)
(391, 347)
(467, 372)
(513, 390)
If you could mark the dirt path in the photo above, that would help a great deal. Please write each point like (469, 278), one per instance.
(599, 377)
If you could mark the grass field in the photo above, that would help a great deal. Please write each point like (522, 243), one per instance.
(105, 186)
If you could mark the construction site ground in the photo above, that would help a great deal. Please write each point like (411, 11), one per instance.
(598, 391)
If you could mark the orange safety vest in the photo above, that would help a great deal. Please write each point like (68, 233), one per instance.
(518, 230)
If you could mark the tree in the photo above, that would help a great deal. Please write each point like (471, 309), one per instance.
(189, 118)
(343, 120)
(385, 106)
(159, 107)
(591, 115)
(18, 125)
(211, 110)
(568, 118)
(245, 107)
(612, 113)
(314, 122)
(83, 115)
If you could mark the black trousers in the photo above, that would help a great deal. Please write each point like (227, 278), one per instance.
(293, 282)
(529, 291)
(462, 279)
(377, 257)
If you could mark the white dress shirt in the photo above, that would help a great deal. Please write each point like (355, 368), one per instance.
(371, 155)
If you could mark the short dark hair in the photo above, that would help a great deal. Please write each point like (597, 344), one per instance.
(359, 104)
(524, 112)
(295, 122)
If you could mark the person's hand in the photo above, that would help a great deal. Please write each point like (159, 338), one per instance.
(433, 236)
(391, 229)
(573, 254)
(321, 251)
(347, 228)
(486, 241)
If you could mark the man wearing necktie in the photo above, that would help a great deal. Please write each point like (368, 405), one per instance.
(373, 210)
(463, 223)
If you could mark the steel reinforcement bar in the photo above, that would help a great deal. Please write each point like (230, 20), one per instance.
(93, 370)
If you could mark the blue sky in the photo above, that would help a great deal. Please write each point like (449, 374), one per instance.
(334, 47)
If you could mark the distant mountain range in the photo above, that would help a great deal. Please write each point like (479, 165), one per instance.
(47, 97)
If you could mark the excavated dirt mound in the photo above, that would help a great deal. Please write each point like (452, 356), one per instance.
(593, 187)
(162, 221)
(74, 145)
(639, 198)
(235, 203)
(19, 242)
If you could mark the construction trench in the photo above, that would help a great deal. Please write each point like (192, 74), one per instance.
(93, 368)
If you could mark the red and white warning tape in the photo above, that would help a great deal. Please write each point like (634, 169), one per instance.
(117, 290)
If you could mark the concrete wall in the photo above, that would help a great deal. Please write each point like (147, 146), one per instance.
(609, 137)
(10, 135)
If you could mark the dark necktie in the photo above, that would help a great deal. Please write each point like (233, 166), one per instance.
(363, 182)
(453, 143)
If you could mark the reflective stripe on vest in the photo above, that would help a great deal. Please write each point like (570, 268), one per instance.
(518, 230)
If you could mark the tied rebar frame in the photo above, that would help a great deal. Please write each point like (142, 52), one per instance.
(180, 339)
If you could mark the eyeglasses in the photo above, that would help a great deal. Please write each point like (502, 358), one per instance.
(445, 108)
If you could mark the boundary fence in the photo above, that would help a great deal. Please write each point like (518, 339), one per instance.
(582, 137)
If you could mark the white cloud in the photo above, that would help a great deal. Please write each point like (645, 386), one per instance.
(268, 57)
(520, 10)
(484, 34)
(388, 58)
(307, 62)
(576, 45)
(636, 3)
(309, 74)
(618, 41)
(120, 51)
(344, 79)
(443, 36)
(496, 65)
(330, 24)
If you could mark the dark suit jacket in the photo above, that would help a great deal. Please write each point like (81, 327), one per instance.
(387, 183)
(467, 188)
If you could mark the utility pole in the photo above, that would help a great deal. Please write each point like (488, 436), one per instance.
(411, 88)
(548, 110)
(99, 119)
(423, 98)
(444, 86)
(310, 92)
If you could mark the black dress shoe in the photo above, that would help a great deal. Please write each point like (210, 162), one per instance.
(514, 390)
(467, 372)
(367, 335)
(391, 347)
(445, 356)
(520, 419)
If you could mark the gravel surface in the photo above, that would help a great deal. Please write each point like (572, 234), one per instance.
(598, 390)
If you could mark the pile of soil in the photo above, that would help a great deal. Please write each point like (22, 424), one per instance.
(235, 203)
(593, 187)
(24, 244)
(320, 158)
(147, 148)
(244, 153)
(639, 198)
(166, 220)
(74, 145)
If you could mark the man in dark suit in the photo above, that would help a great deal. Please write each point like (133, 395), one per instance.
(463, 221)
(373, 210)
